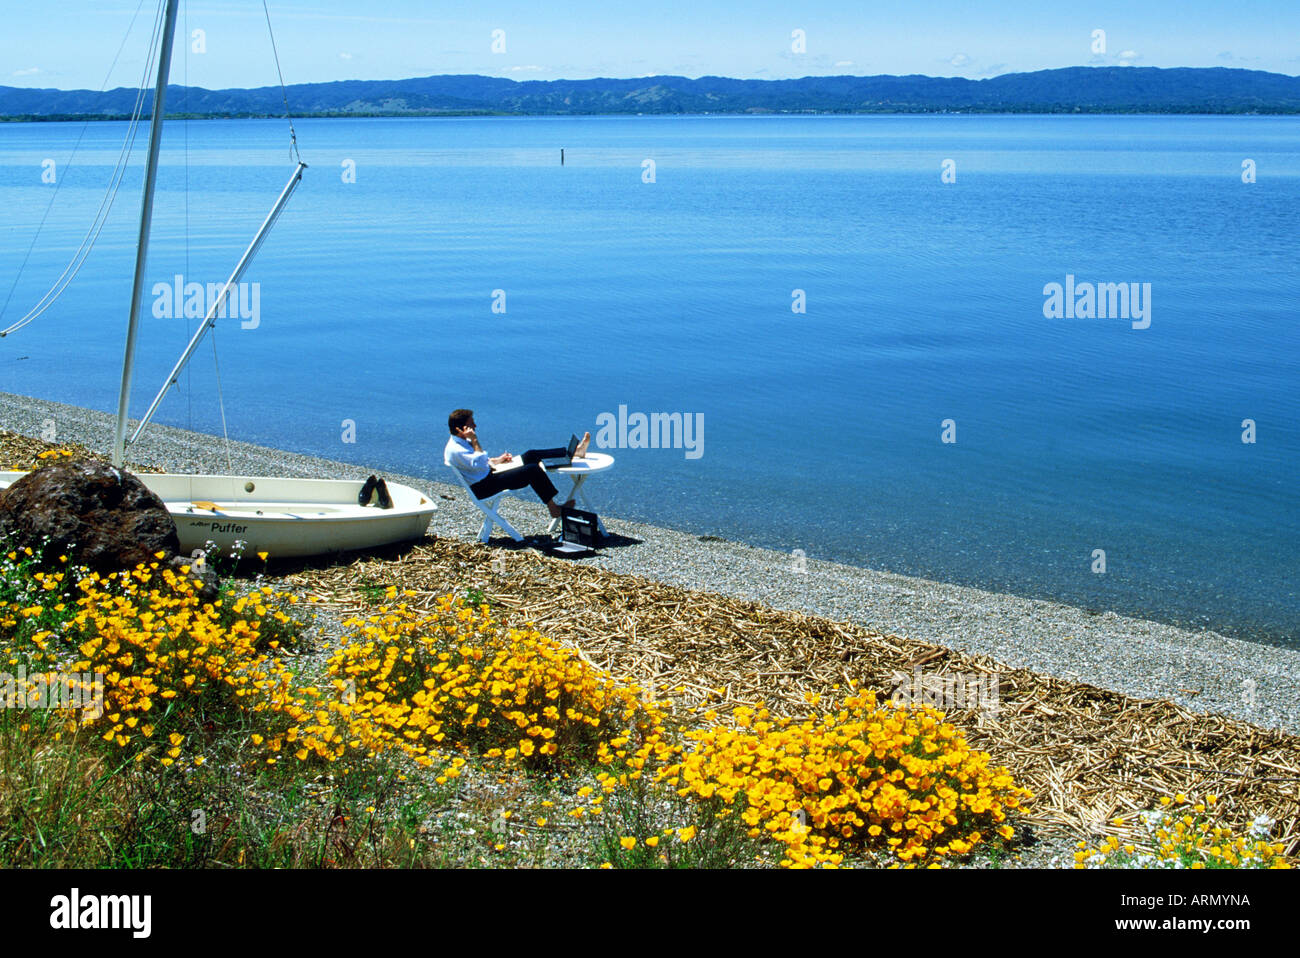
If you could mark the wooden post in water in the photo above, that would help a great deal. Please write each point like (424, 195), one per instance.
(561, 156)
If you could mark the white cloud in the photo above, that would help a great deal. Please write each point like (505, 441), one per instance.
(345, 56)
(959, 59)
(30, 71)
(844, 63)
(530, 68)
(1126, 57)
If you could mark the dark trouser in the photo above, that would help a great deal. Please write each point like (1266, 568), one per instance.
(529, 474)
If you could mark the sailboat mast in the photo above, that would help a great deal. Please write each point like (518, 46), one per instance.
(146, 217)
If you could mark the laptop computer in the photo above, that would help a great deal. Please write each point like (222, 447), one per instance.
(558, 462)
(567, 459)
(578, 531)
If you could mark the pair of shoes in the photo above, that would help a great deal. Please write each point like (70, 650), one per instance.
(367, 491)
(375, 486)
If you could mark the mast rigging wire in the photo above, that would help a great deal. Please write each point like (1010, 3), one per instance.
(295, 156)
(284, 93)
(106, 204)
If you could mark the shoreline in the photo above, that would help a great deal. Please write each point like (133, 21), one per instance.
(1200, 670)
(490, 114)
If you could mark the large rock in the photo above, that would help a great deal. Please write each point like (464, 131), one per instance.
(95, 514)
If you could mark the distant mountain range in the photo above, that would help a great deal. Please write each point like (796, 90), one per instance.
(1071, 90)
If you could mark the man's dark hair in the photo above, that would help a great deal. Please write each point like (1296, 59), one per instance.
(458, 419)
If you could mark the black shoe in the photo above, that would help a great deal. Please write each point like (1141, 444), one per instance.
(367, 491)
(385, 500)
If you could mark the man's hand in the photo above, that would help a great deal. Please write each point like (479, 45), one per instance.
(503, 458)
(471, 436)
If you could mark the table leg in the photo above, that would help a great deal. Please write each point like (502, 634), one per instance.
(573, 494)
(582, 497)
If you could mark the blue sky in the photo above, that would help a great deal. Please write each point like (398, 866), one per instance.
(70, 45)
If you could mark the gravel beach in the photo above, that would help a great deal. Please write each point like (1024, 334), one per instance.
(1203, 671)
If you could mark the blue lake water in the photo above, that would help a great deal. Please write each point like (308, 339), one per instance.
(822, 429)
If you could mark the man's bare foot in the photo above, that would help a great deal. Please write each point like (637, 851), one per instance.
(581, 451)
(557, 511)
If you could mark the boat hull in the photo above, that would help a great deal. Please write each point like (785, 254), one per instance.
(285, 518)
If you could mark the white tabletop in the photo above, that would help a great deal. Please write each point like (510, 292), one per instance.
(589, 465)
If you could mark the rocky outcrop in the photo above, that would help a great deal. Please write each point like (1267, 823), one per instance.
(95, 514)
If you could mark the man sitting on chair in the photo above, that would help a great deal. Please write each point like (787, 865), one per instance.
(464, 452)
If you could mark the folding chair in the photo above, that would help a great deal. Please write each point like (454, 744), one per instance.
(488, 507)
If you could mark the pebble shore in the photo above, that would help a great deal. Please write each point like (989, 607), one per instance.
(1203, 671)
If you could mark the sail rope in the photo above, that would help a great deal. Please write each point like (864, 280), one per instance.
(189, 380)
(284, 93)
(115, 182)
(294, 155)
(221, 404)
(293, 147)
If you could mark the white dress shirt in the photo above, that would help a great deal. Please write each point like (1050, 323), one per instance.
(473, 465)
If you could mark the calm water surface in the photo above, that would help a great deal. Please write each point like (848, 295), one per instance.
(822, 429)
